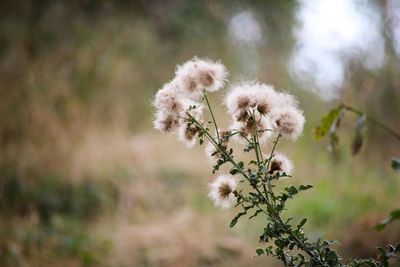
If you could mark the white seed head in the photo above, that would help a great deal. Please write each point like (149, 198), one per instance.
(281, 164)
(265, 98)
(286, 99)
(212, 153)
(187, 135)
(212, 75)
(248, 128)
(197, 74)
(195, 109)
(250, 95)
(221, 191)
(289, 121)
(168, 99)
(166, 122)
(238, 99)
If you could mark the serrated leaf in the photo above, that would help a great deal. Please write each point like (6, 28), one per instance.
(291, 190)
(302, 223)
(332, 258)
(326, 122)
(259, 251)
(252, 162)
(236, 218)
(255, 214)
(380, 226)
(393, 215)
(233, 171)
(305, 187)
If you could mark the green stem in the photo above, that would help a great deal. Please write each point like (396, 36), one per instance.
(260, 160)
(272, 151)
(269, 162)
(259, 148)
(256, 140)
(256, 150)
(372, 120)
(244, 137)
(212, 115)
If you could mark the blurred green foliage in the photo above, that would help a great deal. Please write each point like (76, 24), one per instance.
(51, 196)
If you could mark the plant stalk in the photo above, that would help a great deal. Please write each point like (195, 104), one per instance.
(212, 116)
(372, 120)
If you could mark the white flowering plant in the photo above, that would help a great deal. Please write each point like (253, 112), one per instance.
(261, 117)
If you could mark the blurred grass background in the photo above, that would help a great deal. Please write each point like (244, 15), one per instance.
(85, 181)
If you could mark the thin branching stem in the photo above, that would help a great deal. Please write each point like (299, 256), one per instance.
(217, 146)
(256, 149)
(244, 137)
(212, 116)
(372, 120)
(269, 161)
(256, 140)
(273, 150)
(259, 148)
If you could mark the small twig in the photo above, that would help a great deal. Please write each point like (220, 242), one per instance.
(212, 115)
(372, 120)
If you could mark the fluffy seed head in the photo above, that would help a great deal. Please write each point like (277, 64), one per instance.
(238, 99)
(187, 134)
(289, 121)
(211, 152)
(248, 95)
(212, 75)
(197, 74)
(281, 164)
(242, 116)
(221, 191)
(286, 99)
(195, 109)
(265, 98)
(168, 99)
(248, 128)
(166, 122)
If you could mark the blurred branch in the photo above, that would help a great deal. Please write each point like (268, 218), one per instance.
(372, 120)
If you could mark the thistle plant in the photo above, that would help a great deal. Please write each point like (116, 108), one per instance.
(261, 118)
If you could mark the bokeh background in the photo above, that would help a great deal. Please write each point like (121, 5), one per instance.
(86, 181)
